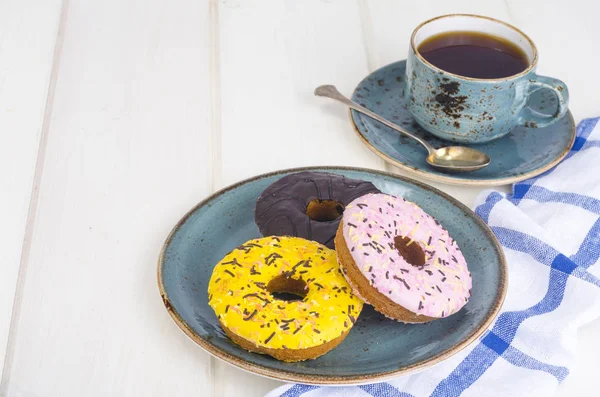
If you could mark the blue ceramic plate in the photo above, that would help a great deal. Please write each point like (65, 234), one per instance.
(522, 154)
(376, 347)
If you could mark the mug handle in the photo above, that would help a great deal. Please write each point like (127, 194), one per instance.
(533, 119)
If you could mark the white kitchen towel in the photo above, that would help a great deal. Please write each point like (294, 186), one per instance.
(549, 228)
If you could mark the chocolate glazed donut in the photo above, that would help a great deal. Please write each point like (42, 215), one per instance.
(307, 205)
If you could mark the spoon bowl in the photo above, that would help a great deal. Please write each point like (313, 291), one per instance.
(457, 159)
(451, 159)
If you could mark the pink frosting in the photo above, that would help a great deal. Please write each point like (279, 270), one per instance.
(439, 288)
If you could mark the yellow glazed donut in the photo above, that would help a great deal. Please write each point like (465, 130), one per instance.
(242, 287)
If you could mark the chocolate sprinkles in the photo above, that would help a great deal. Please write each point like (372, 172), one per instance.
(232, 262)
(269, 338)
(247, 247)
(251, 315)
(403, 282)
(298, 264)
(256, 296)
(271, 258)
(253, 271)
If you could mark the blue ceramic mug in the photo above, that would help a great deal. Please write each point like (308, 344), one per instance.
(473, 110)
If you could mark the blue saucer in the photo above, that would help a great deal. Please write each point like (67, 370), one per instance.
(522, 154)
(376, 347)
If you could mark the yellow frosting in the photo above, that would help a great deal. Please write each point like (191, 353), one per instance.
(237, 293)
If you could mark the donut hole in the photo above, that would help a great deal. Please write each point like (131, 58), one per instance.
(287, 289)
(410, 251)
(324, 210)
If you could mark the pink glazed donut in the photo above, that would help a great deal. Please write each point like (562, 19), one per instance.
(401, 260)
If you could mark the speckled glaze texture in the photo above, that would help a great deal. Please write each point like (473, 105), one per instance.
(468, 110)
(376, 348)
(438, 288)
(521, 154)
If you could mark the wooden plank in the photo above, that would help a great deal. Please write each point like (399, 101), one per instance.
(28, 32)
(127, 156)
(273, 55)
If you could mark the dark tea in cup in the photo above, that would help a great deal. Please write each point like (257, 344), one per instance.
(474, 54)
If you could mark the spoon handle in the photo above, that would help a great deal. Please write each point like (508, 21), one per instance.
(329, 91)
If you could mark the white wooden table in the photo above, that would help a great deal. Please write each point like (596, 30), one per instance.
(117, 116)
